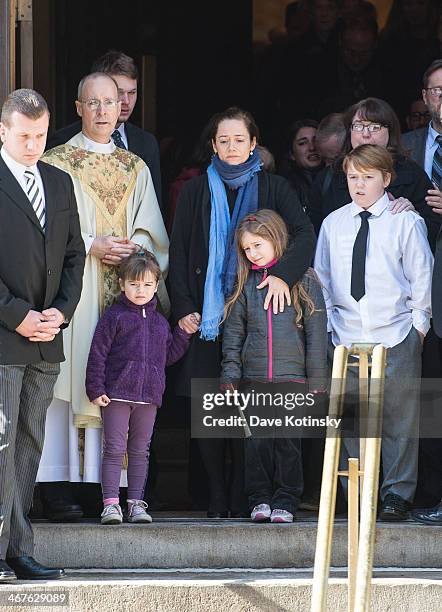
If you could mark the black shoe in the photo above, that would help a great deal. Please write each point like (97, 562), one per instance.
(59, 511)
(394, 508)
(217, 515)
(428, 516)
(236, 515)
(27, 568)
(6, 573)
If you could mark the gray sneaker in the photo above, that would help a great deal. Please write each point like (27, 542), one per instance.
(137, 513)
(112, 515)
(261, 513)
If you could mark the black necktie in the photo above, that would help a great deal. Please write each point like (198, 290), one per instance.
(436, 170)
(116, 137)
(358, 259)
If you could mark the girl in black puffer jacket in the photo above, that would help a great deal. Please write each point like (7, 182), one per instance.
(262, 346)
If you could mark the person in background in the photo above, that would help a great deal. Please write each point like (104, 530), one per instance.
(417, 116)
(268, 161)
(195, 165)
(373, 121)
(302, 161)
(126, 134)
(330, 137)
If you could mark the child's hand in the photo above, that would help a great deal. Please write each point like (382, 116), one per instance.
(103, 400)
(190, 323)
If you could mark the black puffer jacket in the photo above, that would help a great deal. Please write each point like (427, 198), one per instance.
(258, 345)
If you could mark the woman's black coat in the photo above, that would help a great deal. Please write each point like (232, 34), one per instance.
(189, 254)
(411, 182)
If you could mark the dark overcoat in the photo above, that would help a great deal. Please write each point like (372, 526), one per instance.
(189, 255)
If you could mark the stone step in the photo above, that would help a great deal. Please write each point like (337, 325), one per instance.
(236, 543)
(212, 591)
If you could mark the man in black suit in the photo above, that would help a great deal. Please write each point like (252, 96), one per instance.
(123, 70)
(425, 147)
(41, 268)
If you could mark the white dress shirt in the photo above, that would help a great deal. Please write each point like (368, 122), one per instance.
(430, 149)
(18, 170)
(398, 271)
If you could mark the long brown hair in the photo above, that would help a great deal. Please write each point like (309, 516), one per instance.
(268, 225)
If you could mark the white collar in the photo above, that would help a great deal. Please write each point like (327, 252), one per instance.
(375, 209)
(97, 147)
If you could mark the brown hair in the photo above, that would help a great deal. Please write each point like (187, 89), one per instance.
(116, 62)
(27, 102)
(369, 156)
(376, 111)
(136, 266)
(268, 225)
(234, 112)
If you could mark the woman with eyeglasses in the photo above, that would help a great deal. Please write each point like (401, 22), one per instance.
(373, 121)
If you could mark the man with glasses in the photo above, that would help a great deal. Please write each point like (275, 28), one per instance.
(119, 215)
(425, 144)
(123, 70)
(428, 151)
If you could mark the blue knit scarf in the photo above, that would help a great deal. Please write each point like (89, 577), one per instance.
(222, 264)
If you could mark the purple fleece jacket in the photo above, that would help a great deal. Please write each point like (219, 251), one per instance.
(130, 349)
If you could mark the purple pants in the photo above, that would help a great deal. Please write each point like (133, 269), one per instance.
(126, 425)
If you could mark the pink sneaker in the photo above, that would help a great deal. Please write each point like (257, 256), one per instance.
(281, 516)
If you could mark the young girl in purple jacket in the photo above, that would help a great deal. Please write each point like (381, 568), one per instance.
(125, 375)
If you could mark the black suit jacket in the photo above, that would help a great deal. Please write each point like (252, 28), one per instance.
(414, 143)
(140, 142)
(38, 270)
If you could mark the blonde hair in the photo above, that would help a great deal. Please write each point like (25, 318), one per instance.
(268, 225)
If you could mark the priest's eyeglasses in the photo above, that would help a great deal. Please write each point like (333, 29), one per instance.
(94, 104)
(434, 91)
(371, 127)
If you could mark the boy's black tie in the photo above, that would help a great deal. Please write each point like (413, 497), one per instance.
(358, 259)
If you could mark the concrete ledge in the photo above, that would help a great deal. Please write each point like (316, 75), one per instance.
(248, 592)
(218, 544)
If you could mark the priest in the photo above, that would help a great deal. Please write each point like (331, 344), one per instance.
(119, 215)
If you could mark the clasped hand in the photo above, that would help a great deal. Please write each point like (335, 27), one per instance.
(113, 249)
(41, 326)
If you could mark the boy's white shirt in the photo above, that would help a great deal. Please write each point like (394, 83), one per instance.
(398, 273)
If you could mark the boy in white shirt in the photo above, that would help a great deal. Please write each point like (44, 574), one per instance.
(376, 272)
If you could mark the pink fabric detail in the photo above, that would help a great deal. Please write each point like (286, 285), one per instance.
(269, 328)
(270, 340)
(269, 265)
(110, 500)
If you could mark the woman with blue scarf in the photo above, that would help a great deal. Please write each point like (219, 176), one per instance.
(203, 270)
